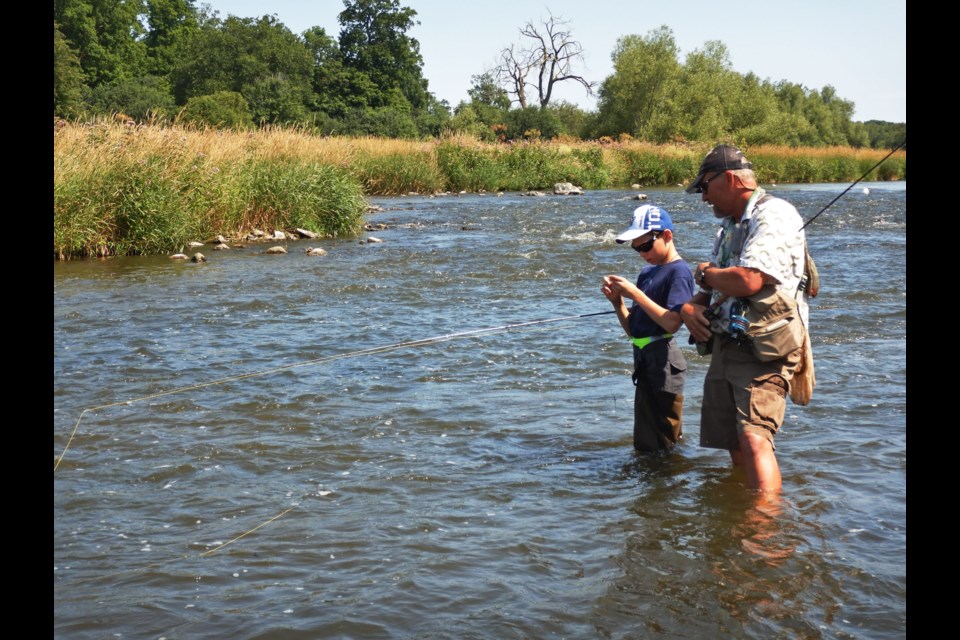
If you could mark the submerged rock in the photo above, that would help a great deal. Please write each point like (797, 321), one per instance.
(275, 250)
(198, 257)
(178, 256)
(311, 251)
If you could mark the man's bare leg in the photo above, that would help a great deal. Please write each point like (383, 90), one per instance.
(758, 460)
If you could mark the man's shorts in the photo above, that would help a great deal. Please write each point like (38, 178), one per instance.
(743, 395)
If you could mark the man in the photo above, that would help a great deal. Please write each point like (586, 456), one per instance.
(760, 243)
(659, 368)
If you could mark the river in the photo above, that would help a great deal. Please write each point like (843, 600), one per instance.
(250, 449)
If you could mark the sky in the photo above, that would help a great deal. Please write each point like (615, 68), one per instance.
(857, 46)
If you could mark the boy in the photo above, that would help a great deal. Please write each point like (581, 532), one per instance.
(661, 289)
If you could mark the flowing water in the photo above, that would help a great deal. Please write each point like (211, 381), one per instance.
(479, 486)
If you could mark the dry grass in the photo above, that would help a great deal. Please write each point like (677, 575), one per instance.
(125, 188)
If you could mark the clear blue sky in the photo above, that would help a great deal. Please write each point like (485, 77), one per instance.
(857, 46)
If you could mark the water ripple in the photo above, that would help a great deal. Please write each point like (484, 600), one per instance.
(292, 484)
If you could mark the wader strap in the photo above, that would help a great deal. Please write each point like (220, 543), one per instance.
(640, 343)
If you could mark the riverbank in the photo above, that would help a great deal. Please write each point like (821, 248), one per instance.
(128, 190)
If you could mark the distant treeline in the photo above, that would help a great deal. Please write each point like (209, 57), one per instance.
(170, 61)
(124, 189)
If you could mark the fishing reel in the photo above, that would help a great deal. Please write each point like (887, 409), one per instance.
(737, 327)
(738, 322)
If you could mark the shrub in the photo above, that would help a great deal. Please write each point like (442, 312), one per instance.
(293, 193)
(466, 166)
(397, 173)
(140, 98)
(222, 109)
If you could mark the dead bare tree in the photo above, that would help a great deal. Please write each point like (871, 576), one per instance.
(551, 53)
(511, 73)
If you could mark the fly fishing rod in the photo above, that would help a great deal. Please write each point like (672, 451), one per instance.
(330, 358)
(852, 184)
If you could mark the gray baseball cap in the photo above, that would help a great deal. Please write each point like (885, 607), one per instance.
(722, 157)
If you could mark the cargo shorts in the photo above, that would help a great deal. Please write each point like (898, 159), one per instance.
(741, 394)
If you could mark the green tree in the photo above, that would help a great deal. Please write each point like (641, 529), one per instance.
(818, 113)
(640, 97)
(653, 97)
(782, 128)
(169, 22)
(489, 102)
(106, 35)
(488, 106)
(374, 41)
(706, 97)
(845, 131)
(337, 89)
(433, 120)
(466, 122)
(486, 93)
(574, 121)
(857, 134)
(67, 78)
(885, 135)
(756, 113)
(382, 122)
(532, 122)
(274, 99)
(242, 55)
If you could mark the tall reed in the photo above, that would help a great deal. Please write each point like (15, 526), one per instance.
(824, 164)
(122, 189)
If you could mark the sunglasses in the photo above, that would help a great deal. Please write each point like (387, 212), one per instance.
(705, 184)
(646, 246)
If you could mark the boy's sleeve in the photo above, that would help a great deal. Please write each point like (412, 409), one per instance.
(681, 288)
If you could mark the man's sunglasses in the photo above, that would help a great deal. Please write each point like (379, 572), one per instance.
(705, 184)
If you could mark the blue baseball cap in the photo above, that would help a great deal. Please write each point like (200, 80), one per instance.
(645, 219)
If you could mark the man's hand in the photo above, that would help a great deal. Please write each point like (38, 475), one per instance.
(697, 324)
